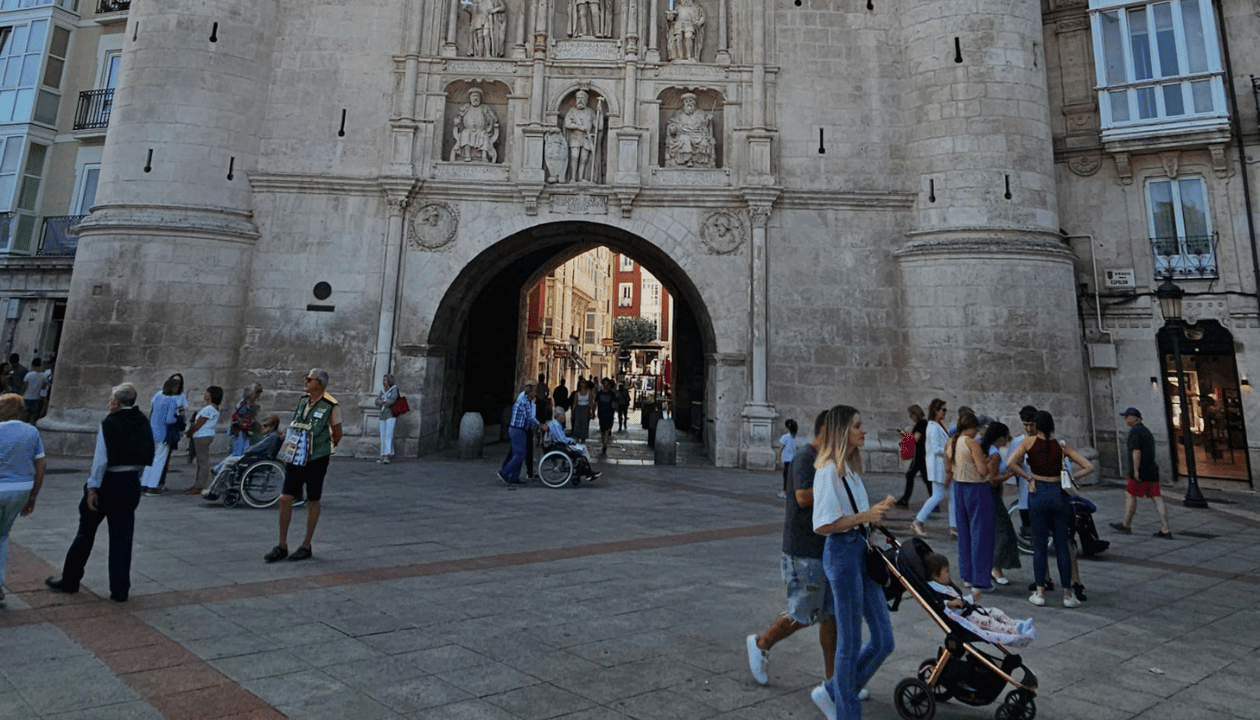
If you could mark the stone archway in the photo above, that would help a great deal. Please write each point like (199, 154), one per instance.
(479, 321)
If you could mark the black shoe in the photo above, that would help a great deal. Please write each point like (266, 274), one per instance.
(277, 553)
(301, 553)
(1163, 535)
(59, 584)
(1079, 590)
(1032, 586)
(118, 597)
(901, 504)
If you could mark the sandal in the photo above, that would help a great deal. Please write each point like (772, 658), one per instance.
(194, 490)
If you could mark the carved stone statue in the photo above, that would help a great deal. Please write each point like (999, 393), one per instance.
(555, 155)
(590, 18)
(686, 30)
(689, 138)
(583, 126)
(476, 130)
(487, 27)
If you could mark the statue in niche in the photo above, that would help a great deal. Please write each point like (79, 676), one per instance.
(583, 127)
(476, 130)
(689, 138)
(487, 27)
(686, 30)
(590, 18)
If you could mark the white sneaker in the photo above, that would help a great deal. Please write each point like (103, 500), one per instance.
(758, 661)
(863, 694)
(1070, 601)
(824, 702)
(1038, 600)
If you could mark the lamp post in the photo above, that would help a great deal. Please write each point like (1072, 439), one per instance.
(1169, 296)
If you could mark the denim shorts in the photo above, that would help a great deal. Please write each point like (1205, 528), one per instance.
(808, 592)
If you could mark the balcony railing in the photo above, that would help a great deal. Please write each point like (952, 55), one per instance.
(94, 108)
(110, 6)
(1193, 256)
(56, 240)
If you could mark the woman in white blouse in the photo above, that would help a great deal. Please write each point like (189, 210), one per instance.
(843, 513)
(937, 438)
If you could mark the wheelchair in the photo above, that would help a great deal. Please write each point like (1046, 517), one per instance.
(257, 482)
(560, 466)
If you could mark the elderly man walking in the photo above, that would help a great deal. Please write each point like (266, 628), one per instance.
(313, 436)
(124, 447)
(524, 418)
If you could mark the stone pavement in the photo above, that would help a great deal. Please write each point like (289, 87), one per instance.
(438, 592)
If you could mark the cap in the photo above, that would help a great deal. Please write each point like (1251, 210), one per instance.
(1132, 411)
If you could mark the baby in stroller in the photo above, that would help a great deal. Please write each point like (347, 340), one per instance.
(989, 623)
(577, 451)
(264, 449)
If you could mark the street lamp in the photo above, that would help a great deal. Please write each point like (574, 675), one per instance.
(1169, 296)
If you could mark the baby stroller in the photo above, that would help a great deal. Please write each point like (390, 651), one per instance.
(961, 670)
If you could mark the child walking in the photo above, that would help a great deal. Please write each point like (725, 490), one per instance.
(788, 441)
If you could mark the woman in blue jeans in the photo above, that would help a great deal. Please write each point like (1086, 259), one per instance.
(843, 513)
(1048, 506)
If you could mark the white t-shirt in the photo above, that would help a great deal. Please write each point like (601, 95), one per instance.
(788, 441)
(212, 418)
(35, 381)
(831, 502)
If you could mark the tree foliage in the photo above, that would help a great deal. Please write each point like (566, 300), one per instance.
(633, 330)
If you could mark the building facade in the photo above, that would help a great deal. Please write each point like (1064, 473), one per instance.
(871, 203)
(569, 321)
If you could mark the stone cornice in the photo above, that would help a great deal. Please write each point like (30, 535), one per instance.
(846, 200)
(307, 184)
(985, 242)
(169, 220)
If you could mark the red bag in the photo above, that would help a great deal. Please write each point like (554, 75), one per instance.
(400, 407)
(907, 446)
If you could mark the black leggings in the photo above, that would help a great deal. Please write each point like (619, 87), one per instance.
(917, 467)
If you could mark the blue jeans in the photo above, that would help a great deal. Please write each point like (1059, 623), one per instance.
(512, 468)
(857, 597)
(975, 533)
(12, 502)
(953, 504)
(1050, 511)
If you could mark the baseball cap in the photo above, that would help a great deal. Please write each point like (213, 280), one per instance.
(1132, 411)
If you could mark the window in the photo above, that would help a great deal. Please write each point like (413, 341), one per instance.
(590, 328)
(86, 197)
(627, 265)
(1158, 67)
(625, 296)
(1180, 228)
(21, 54)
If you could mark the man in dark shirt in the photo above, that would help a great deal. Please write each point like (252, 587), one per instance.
(809, 593)
(1143, 475)
(124, 447)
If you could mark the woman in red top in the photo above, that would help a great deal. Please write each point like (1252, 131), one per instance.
(1048, 504)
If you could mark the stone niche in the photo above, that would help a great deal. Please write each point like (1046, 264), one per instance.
(685, 149)
(499, 31)
(494, 95)
(566, 26)
(708, 39)
(565, 151)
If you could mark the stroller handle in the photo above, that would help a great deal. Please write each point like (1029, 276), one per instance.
(885, 531)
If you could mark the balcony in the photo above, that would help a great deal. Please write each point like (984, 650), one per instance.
(107, 7)
(56, 240)
(1189, 257)
(92, 116)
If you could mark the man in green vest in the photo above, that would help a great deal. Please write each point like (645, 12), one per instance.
(317, 425)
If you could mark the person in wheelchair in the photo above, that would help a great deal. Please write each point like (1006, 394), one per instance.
(556, 438)
(264, 449)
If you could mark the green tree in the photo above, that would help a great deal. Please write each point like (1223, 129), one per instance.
(633, 330)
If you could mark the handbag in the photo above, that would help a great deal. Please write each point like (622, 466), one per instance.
(876, 568)
(1065, 477)
(400, 406)
(907, 446)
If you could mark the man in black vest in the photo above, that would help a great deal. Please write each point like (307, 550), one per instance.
(124, 447)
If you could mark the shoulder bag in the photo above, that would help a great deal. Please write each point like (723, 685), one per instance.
(876, 568)
(400, 406)
(907, 446)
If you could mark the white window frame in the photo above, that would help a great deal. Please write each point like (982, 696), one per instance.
(77, 207)
(1196, 256)
(627, 263)
(1119, 128)
(625, 295)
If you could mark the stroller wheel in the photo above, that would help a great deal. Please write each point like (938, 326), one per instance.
(939, 692)
(914, 700)
(1019, 705)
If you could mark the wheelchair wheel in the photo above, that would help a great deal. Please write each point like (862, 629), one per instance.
(555, 468)
(231, 498)
(261, 483)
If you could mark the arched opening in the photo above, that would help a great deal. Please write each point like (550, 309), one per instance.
(481, 320)
(1214, 413)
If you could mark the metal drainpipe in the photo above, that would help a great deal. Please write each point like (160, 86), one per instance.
(1089, 385)
(1236, 127)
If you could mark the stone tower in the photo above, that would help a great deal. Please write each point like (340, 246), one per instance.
(169, 245)
(988, 280)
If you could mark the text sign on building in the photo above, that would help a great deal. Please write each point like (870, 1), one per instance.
(1121, 278)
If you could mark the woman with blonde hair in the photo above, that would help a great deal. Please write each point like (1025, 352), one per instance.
(842, 512)
(21, 470)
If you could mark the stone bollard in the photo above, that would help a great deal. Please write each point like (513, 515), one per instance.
(472, 430)
(666, 442)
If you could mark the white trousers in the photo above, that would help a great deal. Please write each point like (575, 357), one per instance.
(387, 436)
(153, 474)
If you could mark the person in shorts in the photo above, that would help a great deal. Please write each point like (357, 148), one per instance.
(1143, 476)
(808, 592)
(319, 418)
